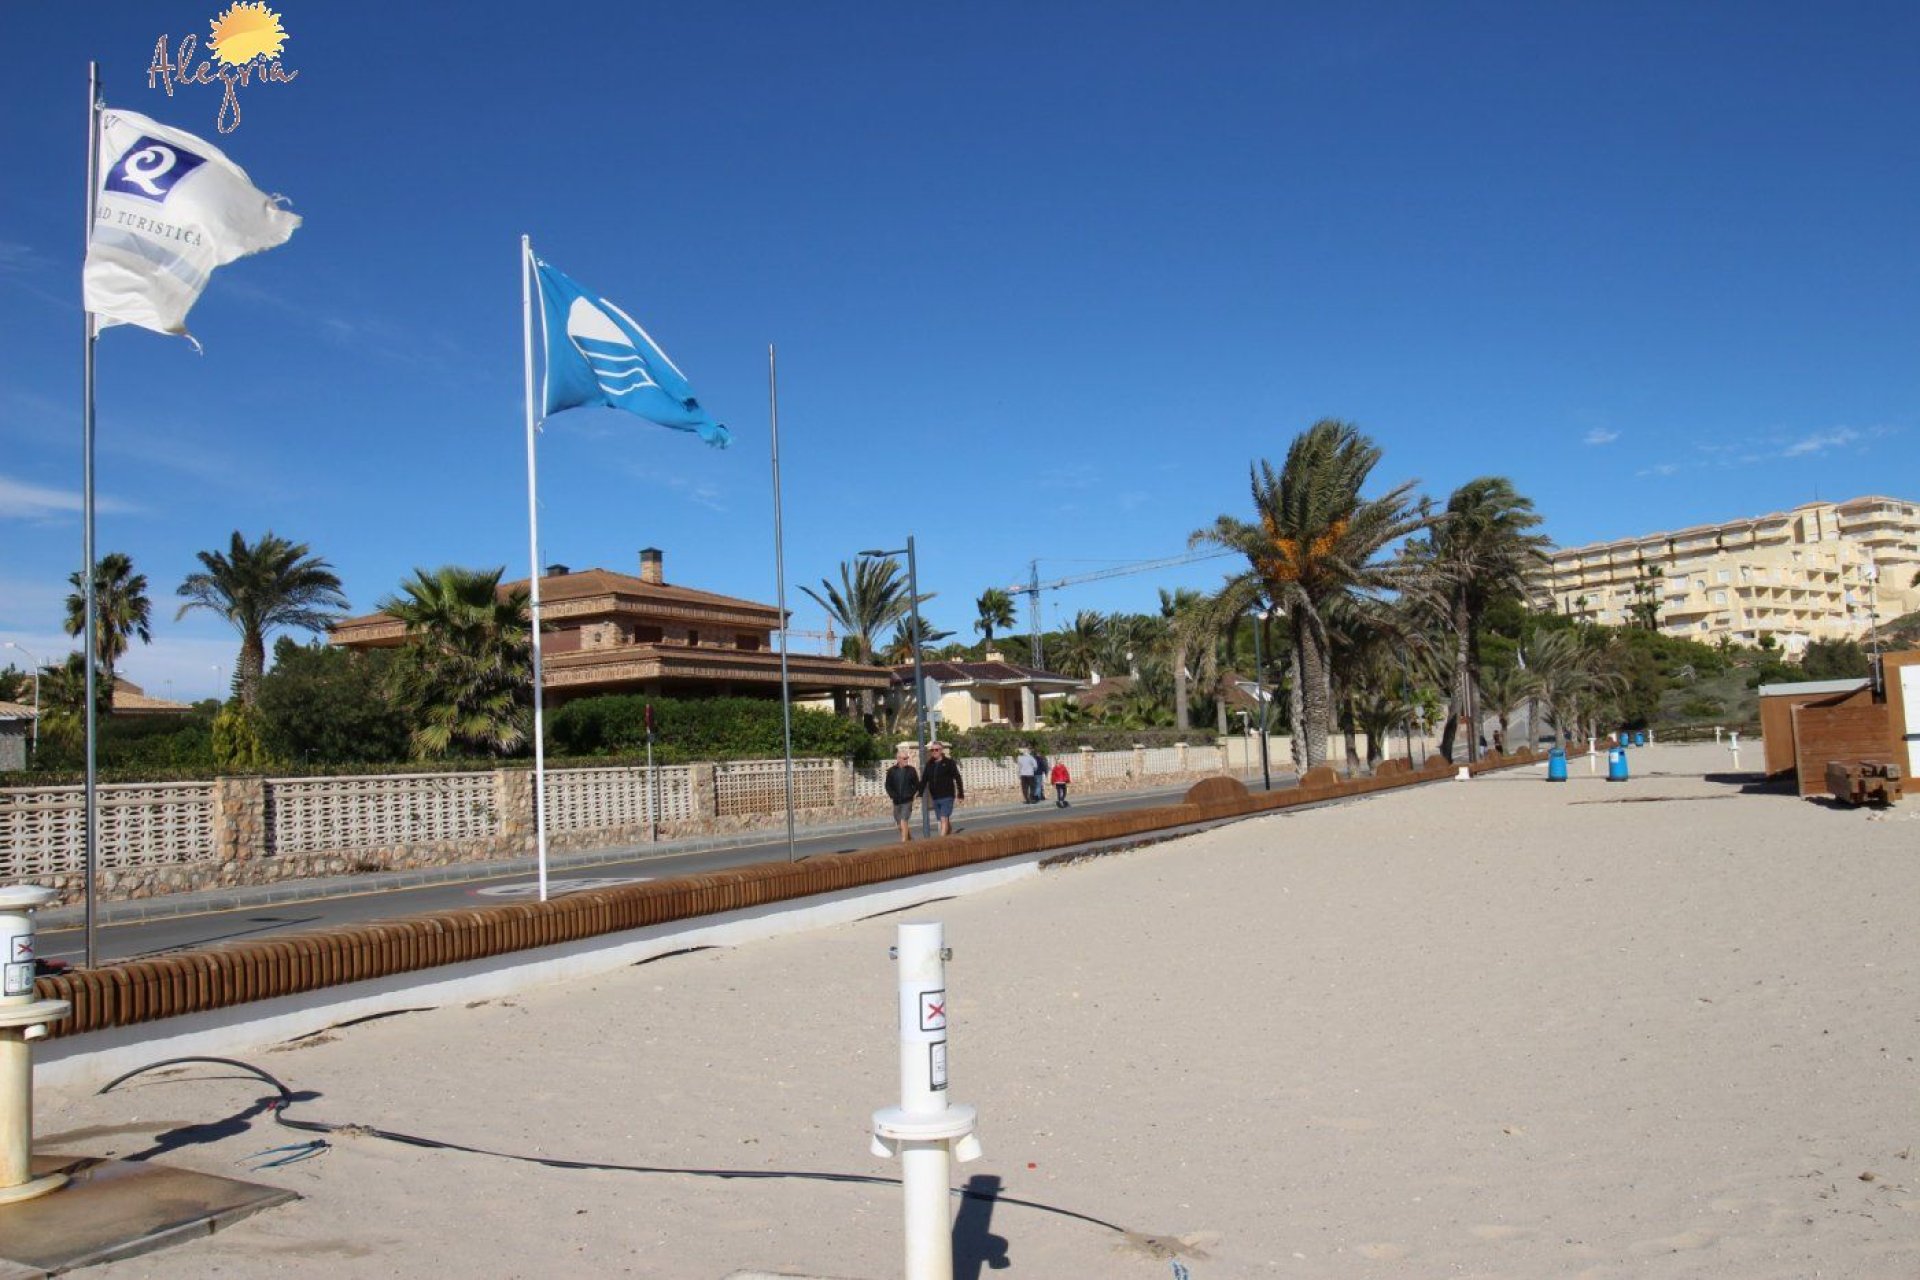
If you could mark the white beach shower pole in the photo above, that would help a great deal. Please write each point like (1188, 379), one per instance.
(23, 1019)
(925, 1130)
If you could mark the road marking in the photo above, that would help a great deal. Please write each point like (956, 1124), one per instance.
(531, 889)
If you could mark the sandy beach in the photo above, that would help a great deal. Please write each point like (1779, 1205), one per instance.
(1497, 1028)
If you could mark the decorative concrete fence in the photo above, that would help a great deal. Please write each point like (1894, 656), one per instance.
(168, 837)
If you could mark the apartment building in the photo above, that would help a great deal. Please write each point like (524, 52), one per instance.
(1822, 571)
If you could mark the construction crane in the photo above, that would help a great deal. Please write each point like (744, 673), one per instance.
(1032, 587)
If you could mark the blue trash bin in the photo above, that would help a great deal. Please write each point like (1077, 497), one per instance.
(1616, 764)
(1556, 765)
(1640, 738)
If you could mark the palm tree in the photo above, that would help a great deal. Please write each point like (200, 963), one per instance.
(1575, 680)
(899, 650)
(1183, 644)
(273, 583)
(1316, 541)
(63, 694)
(1502, 689)
(466, 671)
(1482, 549)
(871, 597)
(996, 610)
(122, 610)
(1078, 649)
(1127, 640)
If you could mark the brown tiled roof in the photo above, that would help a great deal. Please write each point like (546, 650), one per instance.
(584, 584)
(128, 696)
(15, 711)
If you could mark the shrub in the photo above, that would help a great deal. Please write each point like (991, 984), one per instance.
(694, 729)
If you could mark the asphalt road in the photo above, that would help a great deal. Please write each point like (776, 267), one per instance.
(183, 933)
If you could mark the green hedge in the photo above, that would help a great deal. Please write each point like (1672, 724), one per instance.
(695, 729)
(999, 742)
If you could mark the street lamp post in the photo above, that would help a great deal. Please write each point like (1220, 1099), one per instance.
(919, 683)
(30, 657)
(1260, 690)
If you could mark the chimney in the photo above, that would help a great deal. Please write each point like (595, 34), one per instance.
(557, 571)
(652, 565)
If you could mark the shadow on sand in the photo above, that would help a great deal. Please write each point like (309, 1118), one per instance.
(974, 1245)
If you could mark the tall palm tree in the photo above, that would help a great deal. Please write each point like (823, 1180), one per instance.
(1315, 541)
(871, 597)
(1482, 550)
(995, 607)
(1503, 688)
(1078, 649)
(122, 610)
(466, 671)
(899, 650)
(272, 584)
(1183, 645)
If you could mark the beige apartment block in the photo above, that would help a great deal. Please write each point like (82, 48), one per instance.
(1822, 571)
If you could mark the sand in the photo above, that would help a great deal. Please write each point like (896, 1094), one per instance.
(1495, 1028)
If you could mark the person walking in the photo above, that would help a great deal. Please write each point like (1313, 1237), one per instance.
(1039, 774)
(903, 788)
(1028, 768)
(943, 785)
(1060, 780)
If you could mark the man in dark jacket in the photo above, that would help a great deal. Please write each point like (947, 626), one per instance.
(903, 788)
(943, 785)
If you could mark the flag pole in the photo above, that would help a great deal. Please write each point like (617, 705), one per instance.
(533, 554)
(87, 573)
(780, 588)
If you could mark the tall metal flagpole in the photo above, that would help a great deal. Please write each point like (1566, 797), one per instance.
(780, 588)
(87, 573)
(533, 554)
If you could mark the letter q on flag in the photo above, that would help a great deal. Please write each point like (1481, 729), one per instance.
(171, 208)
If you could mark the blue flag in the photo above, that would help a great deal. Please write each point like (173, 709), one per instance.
(598, 354)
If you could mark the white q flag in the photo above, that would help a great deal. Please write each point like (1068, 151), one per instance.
(171, 208)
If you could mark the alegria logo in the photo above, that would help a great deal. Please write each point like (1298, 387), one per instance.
(150, 168)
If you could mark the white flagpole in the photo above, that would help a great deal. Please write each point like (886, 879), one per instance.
(533, 553)
(87, 572)
(780, 587)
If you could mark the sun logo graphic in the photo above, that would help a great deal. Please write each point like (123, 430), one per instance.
(246, 43)
(246, 31)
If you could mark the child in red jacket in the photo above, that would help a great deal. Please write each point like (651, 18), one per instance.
(1060, 778)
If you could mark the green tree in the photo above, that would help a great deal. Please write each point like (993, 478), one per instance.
(269, 585)
(122, 610)
(872, 596)
(1185, 639)
(995, 609)
(1315, 541)
(900, 649)
(1483, 550)
(1644, 606)
(1076, 651)
(1836, 660)
(465, 674)
(239, 745)
(323, 705)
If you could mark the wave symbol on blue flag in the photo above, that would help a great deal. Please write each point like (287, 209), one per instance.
(616, 363)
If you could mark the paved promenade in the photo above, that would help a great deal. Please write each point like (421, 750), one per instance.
(1495, 1028)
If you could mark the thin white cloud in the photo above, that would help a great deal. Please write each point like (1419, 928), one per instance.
(15, 257)
(1820, 442)
(22, 501)
(1659, 469)
(1600, 435)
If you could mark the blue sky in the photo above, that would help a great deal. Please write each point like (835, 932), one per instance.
(1045, 278)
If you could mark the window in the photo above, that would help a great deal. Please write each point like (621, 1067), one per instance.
(693, 637)
(1746, 574)
(1723, 575)
(1719, 597)
(746, 640)
(648, 635)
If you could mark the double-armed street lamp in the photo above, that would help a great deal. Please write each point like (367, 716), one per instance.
(919, 684)
(28, 654)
